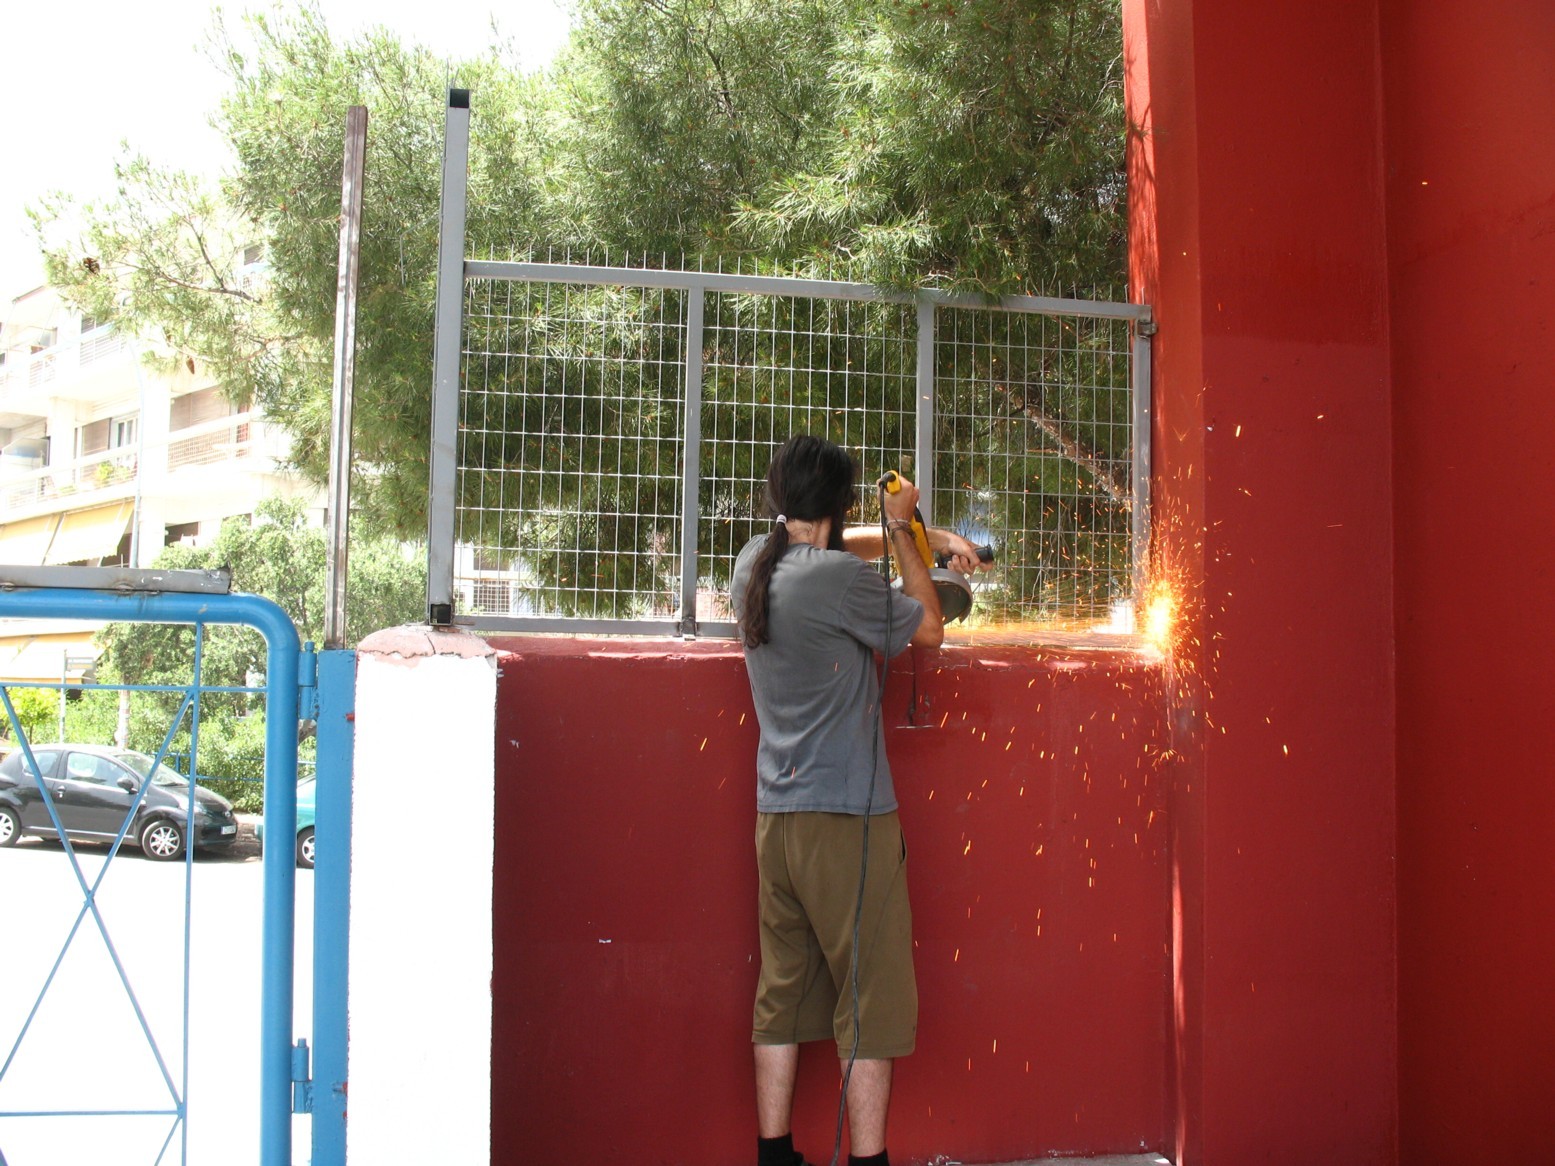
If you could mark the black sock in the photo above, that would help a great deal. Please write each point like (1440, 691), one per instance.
(776, 1151)
(873, 1160)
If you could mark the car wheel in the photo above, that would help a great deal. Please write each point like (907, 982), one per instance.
(305, 847)
(162, 840)
(11, 829)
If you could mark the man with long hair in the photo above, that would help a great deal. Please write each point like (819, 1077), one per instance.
(836, 928)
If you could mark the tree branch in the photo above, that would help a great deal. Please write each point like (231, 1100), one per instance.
(159, 273)
(1089, 460)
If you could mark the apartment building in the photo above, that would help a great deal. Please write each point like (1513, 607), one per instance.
(104, 461)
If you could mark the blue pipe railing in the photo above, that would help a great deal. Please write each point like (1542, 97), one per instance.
(284, 650)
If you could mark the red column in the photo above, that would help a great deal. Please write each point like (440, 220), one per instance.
(1471, 212)
(1259, 236)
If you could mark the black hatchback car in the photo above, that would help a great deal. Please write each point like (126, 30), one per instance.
(93, 787)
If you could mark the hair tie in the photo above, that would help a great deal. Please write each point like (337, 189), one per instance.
(782, 520)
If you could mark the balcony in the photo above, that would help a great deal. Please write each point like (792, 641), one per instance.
(29, 380)
(240, 441)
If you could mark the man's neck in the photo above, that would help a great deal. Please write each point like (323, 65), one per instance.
(816, 532)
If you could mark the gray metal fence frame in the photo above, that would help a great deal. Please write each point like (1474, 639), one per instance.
(455, 271)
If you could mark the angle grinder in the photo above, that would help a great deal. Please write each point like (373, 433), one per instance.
(951, 586)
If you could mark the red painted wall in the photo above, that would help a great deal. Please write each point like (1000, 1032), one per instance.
(1319, 932)
(1471, 214)
(1033, 802)
(1260, 239)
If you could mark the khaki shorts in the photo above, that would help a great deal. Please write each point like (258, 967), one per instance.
(808, 865)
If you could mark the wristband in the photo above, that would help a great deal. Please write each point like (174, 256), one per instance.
(897, 524)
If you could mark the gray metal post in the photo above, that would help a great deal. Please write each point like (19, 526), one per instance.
(446, 344)
(337, 551)
(691, 477)
(923, 473)
(1140, 518)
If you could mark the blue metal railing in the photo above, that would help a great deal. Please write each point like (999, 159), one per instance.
(283, 674)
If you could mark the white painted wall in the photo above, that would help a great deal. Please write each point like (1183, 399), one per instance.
(421, 900)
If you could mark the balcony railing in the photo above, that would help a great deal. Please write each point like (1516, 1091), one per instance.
(31, 372)
(223, 440)
(234, 440)
(100, 344)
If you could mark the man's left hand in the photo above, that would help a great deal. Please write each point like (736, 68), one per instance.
(960, 552)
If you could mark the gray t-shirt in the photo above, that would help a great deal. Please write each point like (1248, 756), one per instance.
(815, 683)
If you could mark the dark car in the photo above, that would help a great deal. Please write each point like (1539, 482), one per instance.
(93, 787)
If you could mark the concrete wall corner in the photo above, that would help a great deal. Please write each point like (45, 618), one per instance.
(421, 879)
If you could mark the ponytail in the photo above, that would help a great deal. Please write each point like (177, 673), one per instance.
(754, 623)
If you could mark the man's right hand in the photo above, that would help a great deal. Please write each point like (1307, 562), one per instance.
(903, 504)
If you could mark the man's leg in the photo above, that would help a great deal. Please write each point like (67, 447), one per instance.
(869, 1099)
(777, 1066)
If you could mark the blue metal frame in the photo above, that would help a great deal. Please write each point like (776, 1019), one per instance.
(279, 872)
(332, 902)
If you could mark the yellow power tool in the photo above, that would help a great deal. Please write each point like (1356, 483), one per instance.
(952, 587)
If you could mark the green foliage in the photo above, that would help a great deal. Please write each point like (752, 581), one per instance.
(280, 557)
(967, 143)
(37, 709)
(962, 144)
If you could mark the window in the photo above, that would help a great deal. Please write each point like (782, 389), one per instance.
(107, 433)
(86, 767)
(15, 766)
(197, 408)
(182, 534)
(93, 438)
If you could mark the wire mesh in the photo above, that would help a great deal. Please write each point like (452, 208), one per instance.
(569, 450)
(775, 366)
(572, 445)
(1033, 445)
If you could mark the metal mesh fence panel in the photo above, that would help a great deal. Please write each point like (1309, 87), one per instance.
(1034, 453)
(569, 446)
(586, 405)
(780, 365)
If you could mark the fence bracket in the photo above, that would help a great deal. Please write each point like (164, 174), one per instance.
(308, 684)
(302, 1084)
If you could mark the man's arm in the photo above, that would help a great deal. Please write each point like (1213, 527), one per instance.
(899, 510)
(866, 543)
(917, 584)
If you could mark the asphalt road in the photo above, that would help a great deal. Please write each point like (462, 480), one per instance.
(86, 1049)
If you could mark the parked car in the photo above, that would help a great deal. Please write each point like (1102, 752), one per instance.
(92, 788)
(304, 844)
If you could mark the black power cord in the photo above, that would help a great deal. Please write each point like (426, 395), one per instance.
(869, 805)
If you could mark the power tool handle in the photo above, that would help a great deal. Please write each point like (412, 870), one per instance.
(984, 554)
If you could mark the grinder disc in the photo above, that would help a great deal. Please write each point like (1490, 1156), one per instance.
(955, 593)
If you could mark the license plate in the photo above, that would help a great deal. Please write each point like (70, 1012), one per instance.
(229, 829)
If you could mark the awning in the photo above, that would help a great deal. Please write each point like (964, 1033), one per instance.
(46, 658)
(25, 543)
(90, 534)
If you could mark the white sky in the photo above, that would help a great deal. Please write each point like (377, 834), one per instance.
(78, 79)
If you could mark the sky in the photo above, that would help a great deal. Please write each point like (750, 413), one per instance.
(75, 86)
